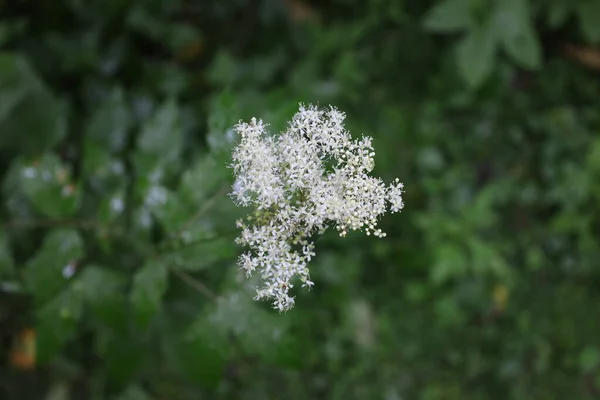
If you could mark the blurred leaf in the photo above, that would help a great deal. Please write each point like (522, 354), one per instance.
(449, 16)
(57, 321)
(125, 356)
(256, 328)
(112, 207)
(48, 186)
(224, 70)
(161, 135)
(203, 180)
(100, 284)
(487, 260)
(181, 35)
(203, 254)
(6, 260)
(110, 123)
(200, 353)
(43, 274)
(167, 207)
(525, 49)
(593, 158)
(589, 17)
(224, 114)
(589, 358)
(31, 118)
(558, 12)
(450, 263)
(134, 392)
(512, 22)
(475, 55)
(149, 286)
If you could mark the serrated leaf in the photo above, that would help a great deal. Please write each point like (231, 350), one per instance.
(43, 274)
(589, 17)
(475, 55)
(56, 322)
(48, 186)
(110, 123)
(449, 16)
(149, 286)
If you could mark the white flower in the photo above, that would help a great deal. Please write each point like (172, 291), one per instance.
(310, 177)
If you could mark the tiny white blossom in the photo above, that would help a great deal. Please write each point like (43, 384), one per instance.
(311, 176)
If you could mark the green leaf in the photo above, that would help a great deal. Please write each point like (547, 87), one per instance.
(204, 180)
(200, 353)
(558, 12)
(593, 157)
(99, 284)
(48, 186)
(134, 392)
(14, 88)
(110, 124)
(149, 286)
(162, 135)
(589, 16)
(203, 254)
(475, 55)
(57, 321)
(589, 359)
(104, 293)
(257, 329)
(112, 207)
(486, 260)
(524, 48)
(450, 263)
(514, 27)
(31, 117)
(124, 355)
(6, 260)
(224, 113)
(43, 274)
(167, 207)
(449, 16)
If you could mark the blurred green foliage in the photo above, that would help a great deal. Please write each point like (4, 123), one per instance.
(116, 234)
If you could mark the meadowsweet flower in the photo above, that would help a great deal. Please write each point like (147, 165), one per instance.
(312, 176)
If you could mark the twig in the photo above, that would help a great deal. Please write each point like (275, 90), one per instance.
(196, 284)
(146, 249)
(52, 222)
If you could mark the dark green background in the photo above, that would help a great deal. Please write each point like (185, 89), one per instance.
(115, 133)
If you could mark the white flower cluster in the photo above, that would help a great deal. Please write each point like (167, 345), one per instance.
(311, 176)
